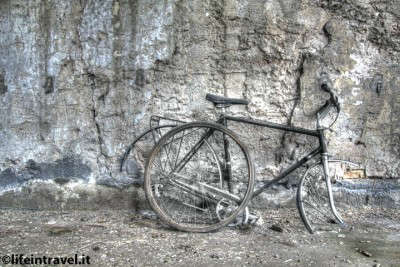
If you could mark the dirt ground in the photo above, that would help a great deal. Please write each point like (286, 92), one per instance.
(126, 238)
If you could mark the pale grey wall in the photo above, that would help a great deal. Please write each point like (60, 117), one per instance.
(79, 79)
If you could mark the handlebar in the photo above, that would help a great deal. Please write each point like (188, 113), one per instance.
(322, 112)
(325, 86)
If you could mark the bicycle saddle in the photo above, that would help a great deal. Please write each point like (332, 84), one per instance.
(220, 100)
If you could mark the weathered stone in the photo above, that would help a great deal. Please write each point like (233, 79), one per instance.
(80, 79)
(58, 228)
(276, 228)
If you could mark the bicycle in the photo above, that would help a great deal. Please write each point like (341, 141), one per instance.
(199, 176)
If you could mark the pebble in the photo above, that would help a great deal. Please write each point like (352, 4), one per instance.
(364, 252)
(276, 228)
(59, 228)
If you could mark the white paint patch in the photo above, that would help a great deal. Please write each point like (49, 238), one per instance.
(55, 62)
(92, 179)
(138, 118)
(355, 91)
(358, 103)
(272, 9)
(147, 95)
(364, 62)
(10, 189)
(362, 65)
(152, 38)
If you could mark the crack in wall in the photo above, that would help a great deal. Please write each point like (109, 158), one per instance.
(327, 34)
(297, 99)
(100, 140)
(103, 96)
(3, 85)
(300, 71)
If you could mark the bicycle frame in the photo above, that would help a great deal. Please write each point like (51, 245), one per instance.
(321, 150)
(315, 133)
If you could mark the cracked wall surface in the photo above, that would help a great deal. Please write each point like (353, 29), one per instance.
(80, 79)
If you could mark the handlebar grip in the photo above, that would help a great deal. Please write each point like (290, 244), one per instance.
(325, 83)
(325, 86)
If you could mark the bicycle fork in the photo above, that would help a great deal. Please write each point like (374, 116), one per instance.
(324, 159)
(329, 187)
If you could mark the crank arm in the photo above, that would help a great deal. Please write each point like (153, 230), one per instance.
(220, 192)
(204, 188)
(190, 189)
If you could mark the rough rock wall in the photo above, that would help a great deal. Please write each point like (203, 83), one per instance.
(79, 80)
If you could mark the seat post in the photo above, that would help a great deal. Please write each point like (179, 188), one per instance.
(222, 107)
(223, 110)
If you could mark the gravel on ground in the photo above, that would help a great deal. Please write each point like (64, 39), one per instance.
(129, 238)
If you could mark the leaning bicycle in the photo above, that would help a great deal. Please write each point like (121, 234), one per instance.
(199, 176)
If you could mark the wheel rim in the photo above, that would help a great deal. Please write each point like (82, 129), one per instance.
(177, 205)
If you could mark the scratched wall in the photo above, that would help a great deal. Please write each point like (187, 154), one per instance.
(79, 80)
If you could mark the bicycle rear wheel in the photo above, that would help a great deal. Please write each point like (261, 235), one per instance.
(313, 197)
(199, 177)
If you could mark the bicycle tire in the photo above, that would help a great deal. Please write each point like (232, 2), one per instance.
(139, 150)
(181, 197)
(313, 198)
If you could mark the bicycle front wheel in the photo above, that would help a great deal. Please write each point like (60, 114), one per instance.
(199, 177)
(313, 196)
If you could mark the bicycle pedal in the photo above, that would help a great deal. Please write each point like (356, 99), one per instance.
(242, 221)
(253, 219)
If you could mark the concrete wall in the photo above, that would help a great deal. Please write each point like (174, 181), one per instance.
(79, 80)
